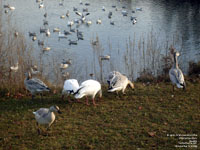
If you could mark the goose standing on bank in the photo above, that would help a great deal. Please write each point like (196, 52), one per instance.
(89, 88)
(175, 74)
(46, 116)
(118, 82)
(34, 85)
(70, 87)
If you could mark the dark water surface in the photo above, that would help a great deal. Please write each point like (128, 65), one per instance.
(132, 47)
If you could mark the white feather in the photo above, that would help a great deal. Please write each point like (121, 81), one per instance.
(88, 88)
(70, 85)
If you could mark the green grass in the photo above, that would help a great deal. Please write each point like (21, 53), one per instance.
(141, 119)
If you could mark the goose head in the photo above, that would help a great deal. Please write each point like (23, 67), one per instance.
(177, 54)
(54, 109)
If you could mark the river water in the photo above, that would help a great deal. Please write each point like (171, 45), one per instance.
(132, 47)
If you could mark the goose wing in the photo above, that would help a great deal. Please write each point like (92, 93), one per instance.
(176, 76)
(71, 85)
(115, 79)
(88, 87)
(37, 84)
(42, 112)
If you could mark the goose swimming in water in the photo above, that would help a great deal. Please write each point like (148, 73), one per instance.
(46, 48)
(41, 5)
(89, 88)
(40, 43)
(98, 21)
(64, 65)
(61, 35)
(48, 33)
(72, 42)
(70, 87)
(105, 57)
(11, 8)
(118, 82)
(46, 116)
(175, 74)
(56, 30)
(34, 85)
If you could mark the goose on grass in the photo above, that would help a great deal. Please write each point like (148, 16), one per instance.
(175, 73)
(46, 116)
(118, 82)
(34, 85)
(70, 87)
(89, 88)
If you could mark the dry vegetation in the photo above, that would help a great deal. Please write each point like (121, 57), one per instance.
(141, 119)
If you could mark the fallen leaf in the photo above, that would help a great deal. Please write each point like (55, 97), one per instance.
(152, 133)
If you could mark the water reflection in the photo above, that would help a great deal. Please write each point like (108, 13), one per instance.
(132, 48)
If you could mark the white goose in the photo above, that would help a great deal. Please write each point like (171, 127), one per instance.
(118, 82)
(89, 88)
(15, 68)
(175, 74)
(70, 87)
(34, 85)
(61, 35)
(46, 116)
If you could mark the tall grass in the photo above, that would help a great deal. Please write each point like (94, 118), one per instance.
(144, 56)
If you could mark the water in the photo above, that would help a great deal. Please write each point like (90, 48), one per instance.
(164, 22)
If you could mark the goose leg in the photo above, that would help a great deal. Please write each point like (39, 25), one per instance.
(38, 130)
(94, 102)
(87, 101)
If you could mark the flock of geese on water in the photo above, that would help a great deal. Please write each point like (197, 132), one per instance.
(82, 19)
(116, 81)
(90, 88)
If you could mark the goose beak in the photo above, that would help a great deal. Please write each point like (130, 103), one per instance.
(59, 112)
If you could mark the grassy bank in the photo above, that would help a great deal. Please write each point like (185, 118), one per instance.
(141, 119)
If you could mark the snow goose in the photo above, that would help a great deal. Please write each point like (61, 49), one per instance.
(175, 74)
(46, 116)
(34, 38)
(41, 5)
(46, 48)
(89, 88)
(70, 87)
(62, 17)
(64, 64)
(103, 8)
(56, 30)
(105, 57)
(89, 22)
(11, 8)
(48, 33)
(15, 67)
(34, 85)
(118, 82)
(61, 35)
(98, 21)
(134, 21)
